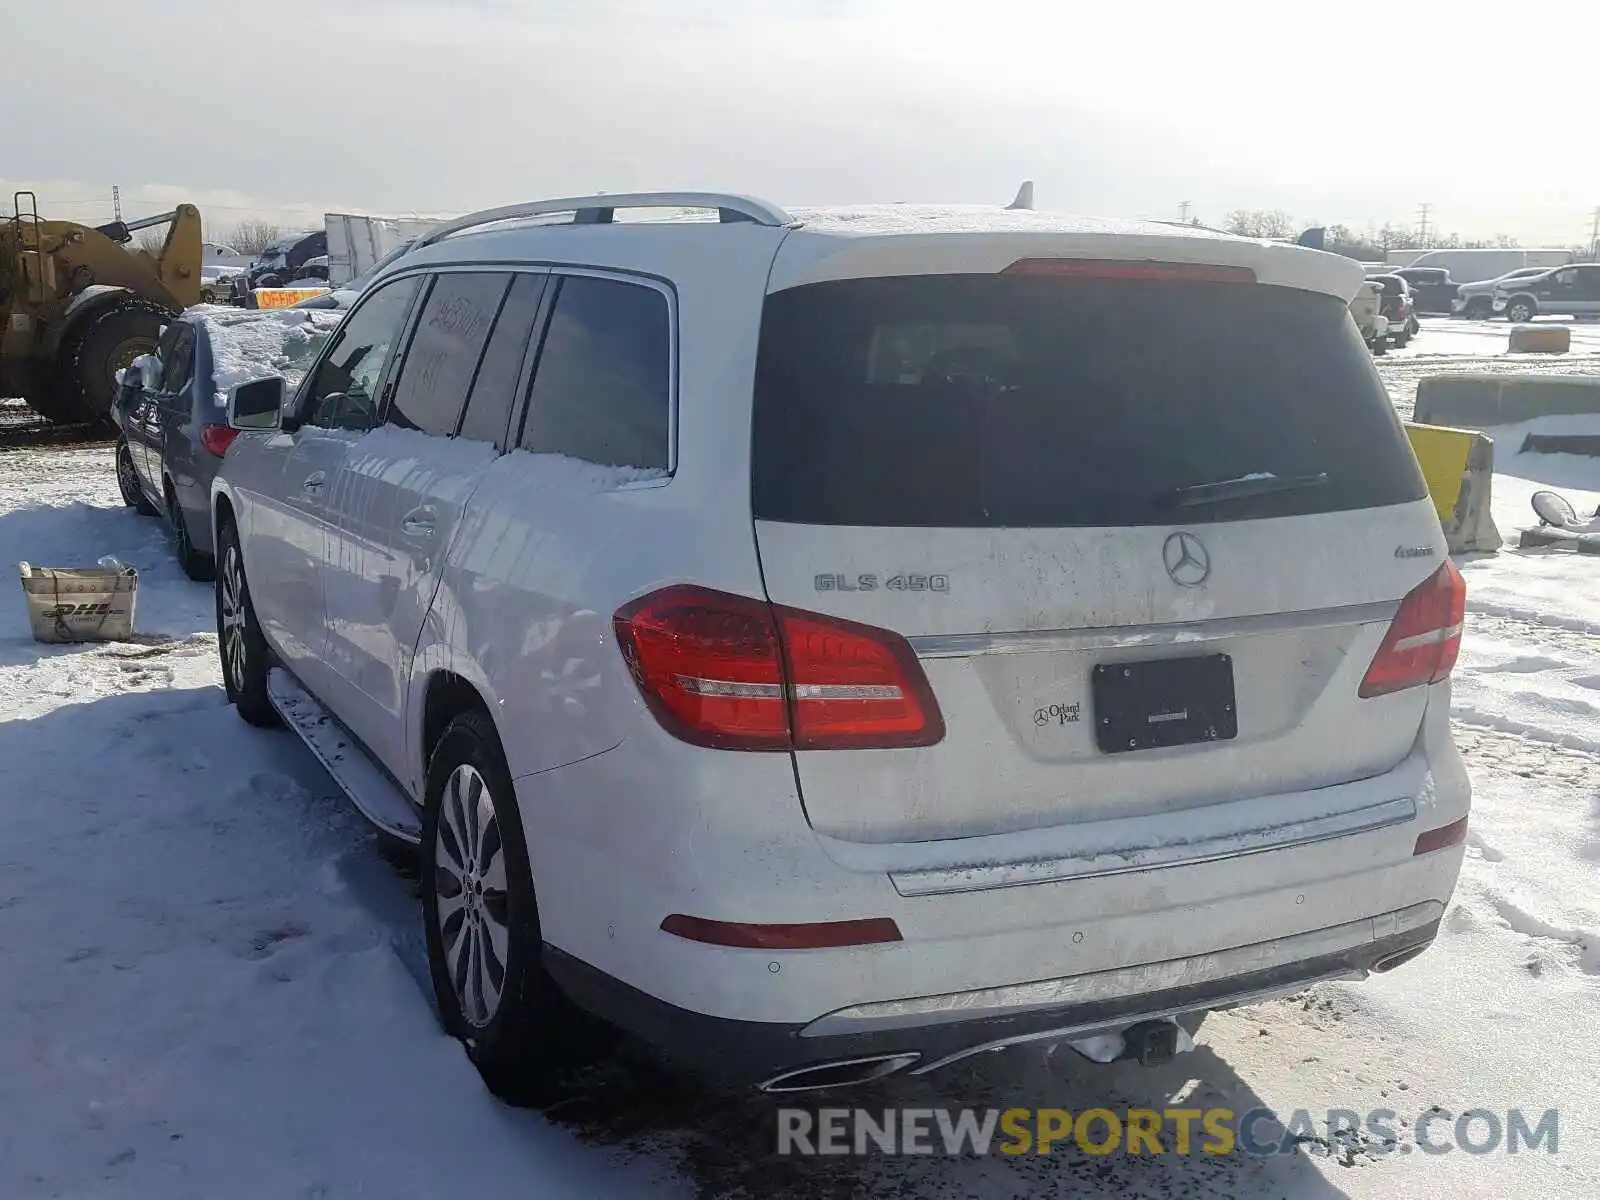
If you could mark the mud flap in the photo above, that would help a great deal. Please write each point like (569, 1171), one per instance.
(1458, 465)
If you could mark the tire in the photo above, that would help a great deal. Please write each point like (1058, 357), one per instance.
(1413, 327)
(91, 355)
(128, 483)
(1478, 310)
(1526, 306)
(44, 398)
(475, 910)
(1380, 346)
(245, 657)
(1401, 340)
(196, 563)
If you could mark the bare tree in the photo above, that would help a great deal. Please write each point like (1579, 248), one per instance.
(1260, 223)
(252, 237)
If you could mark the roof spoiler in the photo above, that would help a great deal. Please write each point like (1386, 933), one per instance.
(1024, 198)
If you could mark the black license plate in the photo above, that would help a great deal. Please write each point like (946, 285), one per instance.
(1165, 702)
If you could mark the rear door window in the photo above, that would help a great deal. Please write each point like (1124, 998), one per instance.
(989, 401)
(178, 362)
(494, 392)
(445, 350)
(602, 391)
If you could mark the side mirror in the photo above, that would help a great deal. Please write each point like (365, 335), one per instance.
(257, 405)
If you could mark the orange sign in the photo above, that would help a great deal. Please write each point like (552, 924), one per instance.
(286, 297)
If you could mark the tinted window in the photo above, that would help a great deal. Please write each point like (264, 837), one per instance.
(494, 393)
(342, 394)
(178, 363)
(443, 357)
(603, 390)
(983, 401)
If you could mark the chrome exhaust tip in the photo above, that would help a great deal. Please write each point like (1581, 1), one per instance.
(845, 1072)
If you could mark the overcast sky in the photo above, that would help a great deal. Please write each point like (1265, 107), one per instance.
(1348, 111)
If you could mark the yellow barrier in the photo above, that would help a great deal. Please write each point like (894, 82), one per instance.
(1458, 466)
(1540, 339)
(286, 297)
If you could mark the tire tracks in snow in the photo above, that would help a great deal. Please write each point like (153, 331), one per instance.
(1498, 745)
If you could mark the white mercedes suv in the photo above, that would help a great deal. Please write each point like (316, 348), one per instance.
(837, 645)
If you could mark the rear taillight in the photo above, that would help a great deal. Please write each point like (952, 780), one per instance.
(217, 438)
(1100, 268)
(738, 674)
(1424, 638)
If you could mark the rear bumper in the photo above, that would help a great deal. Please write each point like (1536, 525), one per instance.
(1110, 924)
(921, 1035)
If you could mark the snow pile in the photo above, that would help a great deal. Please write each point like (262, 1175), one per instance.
(249, 345)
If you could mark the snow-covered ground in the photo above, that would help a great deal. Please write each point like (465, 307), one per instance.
(211, 983)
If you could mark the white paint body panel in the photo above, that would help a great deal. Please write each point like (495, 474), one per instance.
(627, 824)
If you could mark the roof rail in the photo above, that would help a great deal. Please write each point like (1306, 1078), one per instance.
(599, 210)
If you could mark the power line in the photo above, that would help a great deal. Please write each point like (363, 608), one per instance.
(1423, 212)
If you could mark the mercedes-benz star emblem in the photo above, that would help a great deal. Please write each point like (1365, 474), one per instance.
(1186, 560)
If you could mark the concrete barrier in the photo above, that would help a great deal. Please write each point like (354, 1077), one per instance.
(1458, 465)
(1477, 401)
(1540, 339)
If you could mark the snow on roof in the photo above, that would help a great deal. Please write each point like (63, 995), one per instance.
(248, 345)
(925, 239)
(881, 219)
(915, 239)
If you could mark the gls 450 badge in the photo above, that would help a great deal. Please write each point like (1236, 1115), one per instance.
(899, 582)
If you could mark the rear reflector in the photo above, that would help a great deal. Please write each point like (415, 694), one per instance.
(217, 438)
(1424, 639)
(820, 935)
(733, 673)
(1452, 834)
(1099, 268)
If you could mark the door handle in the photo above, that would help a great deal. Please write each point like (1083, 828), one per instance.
(315, 480)
(419, 522)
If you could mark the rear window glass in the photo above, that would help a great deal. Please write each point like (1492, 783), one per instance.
(981, 401)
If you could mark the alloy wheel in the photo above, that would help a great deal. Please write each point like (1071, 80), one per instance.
(127, 480)
(470, 888)
(233, 617)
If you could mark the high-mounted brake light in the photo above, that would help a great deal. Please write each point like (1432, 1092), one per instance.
(1100, 268)
(217, 438)
(734, 673)
(816, 935)
(1424, 639)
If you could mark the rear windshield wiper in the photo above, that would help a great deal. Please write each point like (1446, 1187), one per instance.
(1262, 483)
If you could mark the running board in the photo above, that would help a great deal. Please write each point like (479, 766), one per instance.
(368, 787)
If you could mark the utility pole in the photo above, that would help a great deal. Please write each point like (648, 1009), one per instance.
(116, 203)
(1423, 212)
(1594, 237)
(1183, 211)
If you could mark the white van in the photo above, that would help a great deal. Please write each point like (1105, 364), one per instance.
(1473, 266)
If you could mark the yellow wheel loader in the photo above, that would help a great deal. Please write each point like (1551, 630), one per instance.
(78, 303)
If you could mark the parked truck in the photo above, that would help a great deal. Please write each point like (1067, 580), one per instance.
(356, 243)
